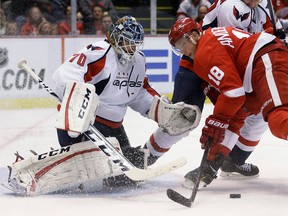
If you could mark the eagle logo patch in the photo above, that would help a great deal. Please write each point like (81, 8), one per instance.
(241, 16)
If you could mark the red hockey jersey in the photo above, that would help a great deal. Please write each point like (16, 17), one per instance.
(224, 58)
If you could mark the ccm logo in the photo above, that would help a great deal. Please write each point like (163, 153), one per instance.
(53, 153)
(217, 124)
(85, 103)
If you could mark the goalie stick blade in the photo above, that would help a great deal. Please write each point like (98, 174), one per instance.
(137, 174)
(176, 197)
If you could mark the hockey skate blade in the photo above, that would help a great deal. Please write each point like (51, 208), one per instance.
(137, 174)
(236, 176)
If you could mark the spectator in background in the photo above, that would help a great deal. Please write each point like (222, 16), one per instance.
(106, 23)
(98, 14)
(64, 27)
(86, 9)
(2, 22)
(45, 28)
(34, 19)
(11, 29)
(202, 11)
(55, 10)
(189, 8)
(19, 9)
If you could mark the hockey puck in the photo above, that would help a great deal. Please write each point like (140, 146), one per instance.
(235, 196)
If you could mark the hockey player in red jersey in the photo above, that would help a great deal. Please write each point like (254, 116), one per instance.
(252, 16)
(250, 71)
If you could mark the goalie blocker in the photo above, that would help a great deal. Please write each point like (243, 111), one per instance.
(78, 108)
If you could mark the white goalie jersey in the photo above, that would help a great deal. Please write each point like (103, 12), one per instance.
(117, 86)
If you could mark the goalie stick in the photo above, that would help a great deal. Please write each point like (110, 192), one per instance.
(177, 197)
(108, 149)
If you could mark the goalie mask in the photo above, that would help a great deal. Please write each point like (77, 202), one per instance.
(182, 28)
(126, 36)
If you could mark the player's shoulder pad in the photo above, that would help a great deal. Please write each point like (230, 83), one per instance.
(100, 47)
(97, 50)
(234, 13)
(229, 6)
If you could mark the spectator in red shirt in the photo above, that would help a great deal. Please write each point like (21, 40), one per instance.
(64, 27)
(34, 19)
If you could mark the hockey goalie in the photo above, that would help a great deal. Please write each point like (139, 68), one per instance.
(84, 166)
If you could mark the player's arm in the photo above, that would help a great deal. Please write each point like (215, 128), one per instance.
(222, 74)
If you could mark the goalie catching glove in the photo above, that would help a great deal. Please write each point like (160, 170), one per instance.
(175, 118)
(78, 108)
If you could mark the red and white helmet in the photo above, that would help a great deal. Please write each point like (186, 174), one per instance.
(183, 28)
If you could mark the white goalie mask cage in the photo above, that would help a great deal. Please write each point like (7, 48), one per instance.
(127, 36)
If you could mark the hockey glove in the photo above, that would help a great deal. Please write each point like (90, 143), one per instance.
(215, 129)
(211, 92)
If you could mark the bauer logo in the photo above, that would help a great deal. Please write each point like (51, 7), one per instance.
(3, 57)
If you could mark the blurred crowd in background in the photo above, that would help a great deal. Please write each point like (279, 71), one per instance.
(94, 17)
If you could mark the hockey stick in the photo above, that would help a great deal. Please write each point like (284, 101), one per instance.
(177, 197)
(108, 149)
(272, 14)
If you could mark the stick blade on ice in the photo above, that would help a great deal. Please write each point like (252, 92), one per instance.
(176, 197)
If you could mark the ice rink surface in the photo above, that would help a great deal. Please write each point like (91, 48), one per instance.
(22, 130)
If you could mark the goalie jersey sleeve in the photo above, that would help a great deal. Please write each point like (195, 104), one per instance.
(224, 58)
(118, 86)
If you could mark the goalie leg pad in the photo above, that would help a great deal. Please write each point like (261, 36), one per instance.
(175, 118)
(81, 166)
(78, 108)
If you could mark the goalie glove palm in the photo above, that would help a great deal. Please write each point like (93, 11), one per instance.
(175, 118)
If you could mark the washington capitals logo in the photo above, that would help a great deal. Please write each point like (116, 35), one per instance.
(241, 16)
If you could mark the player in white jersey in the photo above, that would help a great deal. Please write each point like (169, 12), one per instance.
(249, 15)
(117, 68)
(252, 16)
